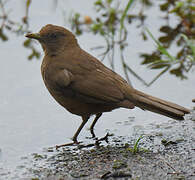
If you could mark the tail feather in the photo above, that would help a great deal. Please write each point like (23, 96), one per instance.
(157, 105)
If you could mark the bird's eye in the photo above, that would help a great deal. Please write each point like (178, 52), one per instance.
(53, 35)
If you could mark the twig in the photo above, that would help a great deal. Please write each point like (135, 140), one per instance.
(174, 170)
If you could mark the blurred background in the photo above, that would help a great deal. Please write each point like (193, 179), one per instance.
(150, 43)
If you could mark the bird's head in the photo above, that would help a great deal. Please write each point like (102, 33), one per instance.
(54, 39)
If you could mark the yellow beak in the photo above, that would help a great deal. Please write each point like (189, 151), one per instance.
(33, 36)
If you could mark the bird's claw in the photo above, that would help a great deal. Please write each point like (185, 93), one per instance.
(68, 144)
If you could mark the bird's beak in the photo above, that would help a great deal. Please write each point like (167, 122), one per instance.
(36, 36)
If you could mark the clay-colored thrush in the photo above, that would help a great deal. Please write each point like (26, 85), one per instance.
(84, 86)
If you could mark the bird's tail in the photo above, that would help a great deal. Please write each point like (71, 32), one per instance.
(157, 105)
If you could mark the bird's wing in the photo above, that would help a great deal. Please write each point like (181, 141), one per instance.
(99, 85)
(63, 78)
(93, 87)
(91, 81)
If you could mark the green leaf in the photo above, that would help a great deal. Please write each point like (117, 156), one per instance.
(27, 42)
(28, 2)
(3, 36)
(125, 13)
(158, 65)
(190, 43)
(160, 47)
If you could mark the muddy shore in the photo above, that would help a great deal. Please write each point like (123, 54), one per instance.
(167, 152)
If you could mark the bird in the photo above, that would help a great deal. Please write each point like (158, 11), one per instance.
(84, 86)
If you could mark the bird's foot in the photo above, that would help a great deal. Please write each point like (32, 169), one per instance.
(92, 133)
(97, 143)
(68, 144)
(105, 138)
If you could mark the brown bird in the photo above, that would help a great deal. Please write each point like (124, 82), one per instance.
(84, 86)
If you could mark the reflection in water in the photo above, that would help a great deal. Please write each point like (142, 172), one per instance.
(179, 35)
(31, 120)
(112, 20)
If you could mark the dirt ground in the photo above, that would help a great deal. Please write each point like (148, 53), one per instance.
(166, 153)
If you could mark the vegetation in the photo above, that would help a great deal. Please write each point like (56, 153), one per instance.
(112, 20)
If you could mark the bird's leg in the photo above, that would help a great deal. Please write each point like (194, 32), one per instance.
(105, 138)
(85, 119)
(93, 124)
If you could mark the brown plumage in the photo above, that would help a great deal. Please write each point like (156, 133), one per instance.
(84, 86)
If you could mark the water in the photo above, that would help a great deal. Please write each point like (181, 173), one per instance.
(31, 119)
